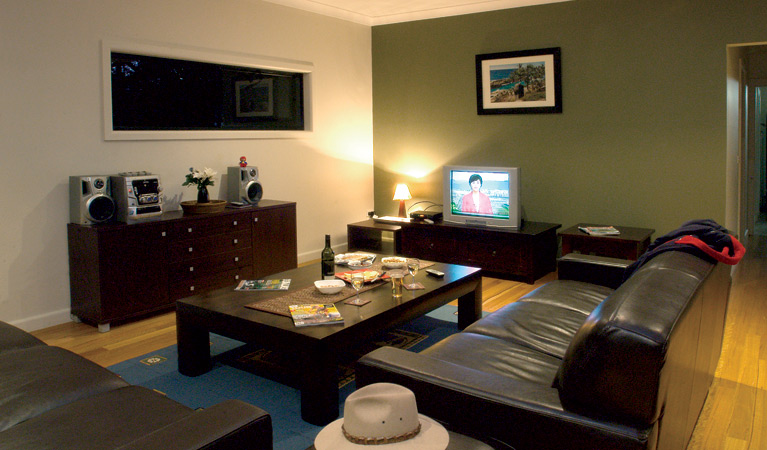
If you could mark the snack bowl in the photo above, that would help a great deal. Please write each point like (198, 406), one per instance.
(393, 262)
(329, 286)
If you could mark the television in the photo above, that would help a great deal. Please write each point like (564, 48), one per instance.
(482, 196)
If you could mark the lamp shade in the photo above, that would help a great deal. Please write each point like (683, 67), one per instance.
(401, 192)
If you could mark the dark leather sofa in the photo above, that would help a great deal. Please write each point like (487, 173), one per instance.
(576, 365)
(51, 398)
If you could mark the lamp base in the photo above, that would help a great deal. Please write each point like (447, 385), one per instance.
(402, 212)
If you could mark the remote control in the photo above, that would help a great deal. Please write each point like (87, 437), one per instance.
(435, 273)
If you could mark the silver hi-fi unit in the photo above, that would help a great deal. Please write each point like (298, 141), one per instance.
(138, 195)
(89, 199)
(243, 185)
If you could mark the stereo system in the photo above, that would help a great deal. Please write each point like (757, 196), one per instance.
(130, 196)
(89, 199)
(243, 185)
(138, 195)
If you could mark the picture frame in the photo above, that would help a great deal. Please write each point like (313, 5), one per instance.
(254, 98)
(519, 82)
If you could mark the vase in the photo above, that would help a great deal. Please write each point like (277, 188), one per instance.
(202, 194)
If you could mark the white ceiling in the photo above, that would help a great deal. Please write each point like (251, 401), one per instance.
(379, 12)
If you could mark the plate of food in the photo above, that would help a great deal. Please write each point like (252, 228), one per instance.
(393, 262)
(370, 275)
(356, 265)
(356, 257)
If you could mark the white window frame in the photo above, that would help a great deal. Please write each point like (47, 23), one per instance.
(200, 55)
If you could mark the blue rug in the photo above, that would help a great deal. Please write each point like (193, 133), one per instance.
(159, 370)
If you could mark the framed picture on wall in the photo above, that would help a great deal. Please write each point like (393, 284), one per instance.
(254, 98)
(519, 82)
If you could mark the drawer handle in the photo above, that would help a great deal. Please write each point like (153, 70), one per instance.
(235, 241)
(163, 234)
(191, 288)
(255, 219)
(236, 277)
(191, 249)
(191, 268)
(189, 230)
(234, 223)
(236, 258)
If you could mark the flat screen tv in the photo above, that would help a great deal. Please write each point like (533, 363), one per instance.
(482, 196)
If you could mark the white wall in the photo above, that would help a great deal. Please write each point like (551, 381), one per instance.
(51, 126)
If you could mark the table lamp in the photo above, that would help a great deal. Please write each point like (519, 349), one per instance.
(402, 193)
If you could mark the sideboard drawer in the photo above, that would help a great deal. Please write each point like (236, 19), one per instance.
(208, 265)
(185, 288)
(209, 245)
(206, 226)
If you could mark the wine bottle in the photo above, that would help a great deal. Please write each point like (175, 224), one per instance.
(328, 259)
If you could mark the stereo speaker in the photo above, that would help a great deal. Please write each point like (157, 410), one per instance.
(90, 199)
(243, 185)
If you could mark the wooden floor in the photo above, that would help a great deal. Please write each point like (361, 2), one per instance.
(734, 416)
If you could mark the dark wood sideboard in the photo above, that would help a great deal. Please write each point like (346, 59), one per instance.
(118, 271)
(525, 254)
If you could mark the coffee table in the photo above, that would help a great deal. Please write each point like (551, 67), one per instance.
(318, 348)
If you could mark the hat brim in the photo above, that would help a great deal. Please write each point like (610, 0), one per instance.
(433, 436)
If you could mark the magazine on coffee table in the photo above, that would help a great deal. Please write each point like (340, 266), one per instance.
(264, 285)
(315, 314)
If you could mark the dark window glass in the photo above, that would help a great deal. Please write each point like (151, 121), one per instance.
(152, 93)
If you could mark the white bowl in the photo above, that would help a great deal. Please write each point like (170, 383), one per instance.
(393, 262)
(329, 286)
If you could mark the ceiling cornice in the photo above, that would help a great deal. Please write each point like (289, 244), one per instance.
(337, 9)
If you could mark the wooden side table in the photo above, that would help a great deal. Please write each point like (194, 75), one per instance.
(373, 236)
(630, 244)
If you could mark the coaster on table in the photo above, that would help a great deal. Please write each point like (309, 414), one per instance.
(413, 287)
(352, 301)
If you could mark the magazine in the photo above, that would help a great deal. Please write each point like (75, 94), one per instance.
(315, 314)
(264, 285)
(600, 231)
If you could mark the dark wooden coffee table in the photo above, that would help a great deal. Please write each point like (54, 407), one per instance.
(318, 348)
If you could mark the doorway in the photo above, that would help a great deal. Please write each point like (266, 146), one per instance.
(758, 145)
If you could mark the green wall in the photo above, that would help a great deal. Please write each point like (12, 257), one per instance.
(642, 137)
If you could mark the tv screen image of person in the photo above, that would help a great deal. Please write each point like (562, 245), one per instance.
(482, 196)
(479, 193)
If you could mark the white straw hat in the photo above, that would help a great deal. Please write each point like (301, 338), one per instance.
(382, 414)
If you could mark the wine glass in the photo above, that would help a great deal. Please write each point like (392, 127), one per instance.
(358, 279)
(412, 268)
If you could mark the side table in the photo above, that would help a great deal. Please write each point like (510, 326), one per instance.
(630, 244)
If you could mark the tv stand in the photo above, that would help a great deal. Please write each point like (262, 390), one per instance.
(525, 254)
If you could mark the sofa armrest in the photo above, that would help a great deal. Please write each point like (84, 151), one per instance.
(231, 424)
(518, 413)
(592, 269)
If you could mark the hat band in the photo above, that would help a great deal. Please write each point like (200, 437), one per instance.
(381, 440)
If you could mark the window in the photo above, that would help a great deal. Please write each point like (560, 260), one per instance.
(156, 96)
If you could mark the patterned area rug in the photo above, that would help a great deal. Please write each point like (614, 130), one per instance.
(280, 366)
(257, 384)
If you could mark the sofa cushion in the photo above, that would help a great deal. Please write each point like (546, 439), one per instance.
(41, 378)
(12, 338)
(546, 319)
(497, 356)
(111, 419)
(568, 294)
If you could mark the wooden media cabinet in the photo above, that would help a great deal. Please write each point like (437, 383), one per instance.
(525, 254)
